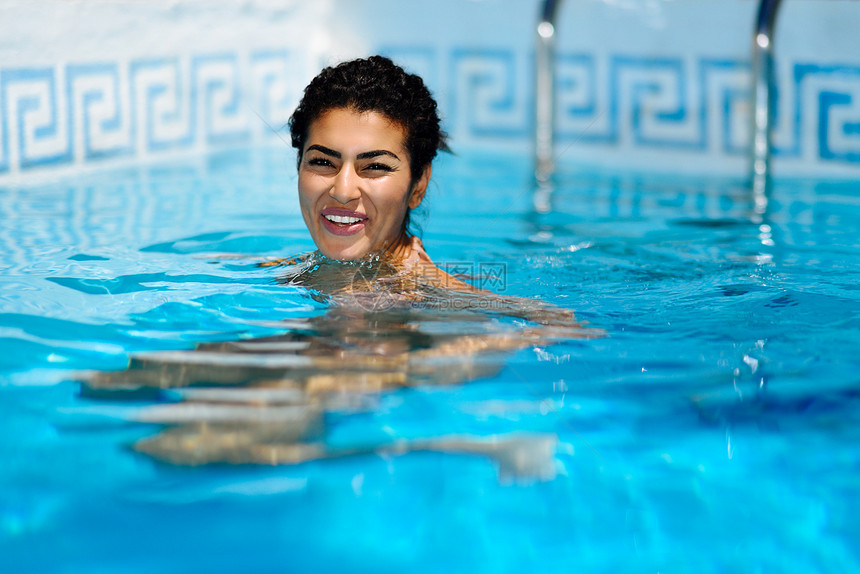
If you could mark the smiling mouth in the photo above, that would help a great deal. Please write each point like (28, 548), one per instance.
(342, 219)
(342, 222)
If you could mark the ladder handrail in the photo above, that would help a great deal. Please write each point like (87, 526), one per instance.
(763, 82)
(545, 91)
(762, 95)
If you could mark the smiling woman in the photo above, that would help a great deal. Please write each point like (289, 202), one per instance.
(366, 133)
(355, 188)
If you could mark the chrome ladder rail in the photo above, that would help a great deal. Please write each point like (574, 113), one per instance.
(545, 91)
(763, 82)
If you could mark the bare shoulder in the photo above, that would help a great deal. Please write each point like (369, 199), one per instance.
(419, 263)
(562, 321)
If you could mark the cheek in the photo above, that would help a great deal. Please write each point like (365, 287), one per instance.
(307, 193)
(306, 202)
(396, 197)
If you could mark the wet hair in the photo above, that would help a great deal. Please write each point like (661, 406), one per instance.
(375, 84)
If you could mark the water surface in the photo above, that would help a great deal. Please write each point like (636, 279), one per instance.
(714, 428)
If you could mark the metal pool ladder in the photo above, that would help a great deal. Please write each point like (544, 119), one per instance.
(545, 91)
(762, 101)
(762, 95)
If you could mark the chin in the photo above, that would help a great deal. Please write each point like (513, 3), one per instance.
(345, 253)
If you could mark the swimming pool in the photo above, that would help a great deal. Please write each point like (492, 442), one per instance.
(712, 429)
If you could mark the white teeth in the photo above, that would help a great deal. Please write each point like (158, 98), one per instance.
(342, 219)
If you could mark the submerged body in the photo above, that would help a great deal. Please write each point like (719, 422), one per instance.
(265, 400)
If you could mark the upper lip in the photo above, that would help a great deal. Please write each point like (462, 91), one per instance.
(342, 212)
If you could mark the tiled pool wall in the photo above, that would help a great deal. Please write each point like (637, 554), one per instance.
(655, 85)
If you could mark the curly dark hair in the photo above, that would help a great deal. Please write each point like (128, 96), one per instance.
(375, 84)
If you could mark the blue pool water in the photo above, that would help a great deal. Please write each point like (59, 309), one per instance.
(714, 428)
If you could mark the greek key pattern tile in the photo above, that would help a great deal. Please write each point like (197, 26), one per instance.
(83, 113)
(632, 103)
(90, 112)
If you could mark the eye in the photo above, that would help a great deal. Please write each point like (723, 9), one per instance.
(379, 167)
(320, 165)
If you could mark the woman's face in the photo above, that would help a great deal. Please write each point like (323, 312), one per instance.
(354, 183)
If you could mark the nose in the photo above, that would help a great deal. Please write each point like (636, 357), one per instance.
(345, 187)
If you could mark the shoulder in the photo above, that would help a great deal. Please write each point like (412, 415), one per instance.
(419, 263)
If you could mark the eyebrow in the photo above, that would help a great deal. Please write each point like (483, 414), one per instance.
(363, 155)
(376, 153)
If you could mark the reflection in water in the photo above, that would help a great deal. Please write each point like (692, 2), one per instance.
(265, 400)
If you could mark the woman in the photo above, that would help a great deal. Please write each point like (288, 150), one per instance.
(366, 134)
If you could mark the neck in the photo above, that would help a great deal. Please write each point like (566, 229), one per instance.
(400, 249)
